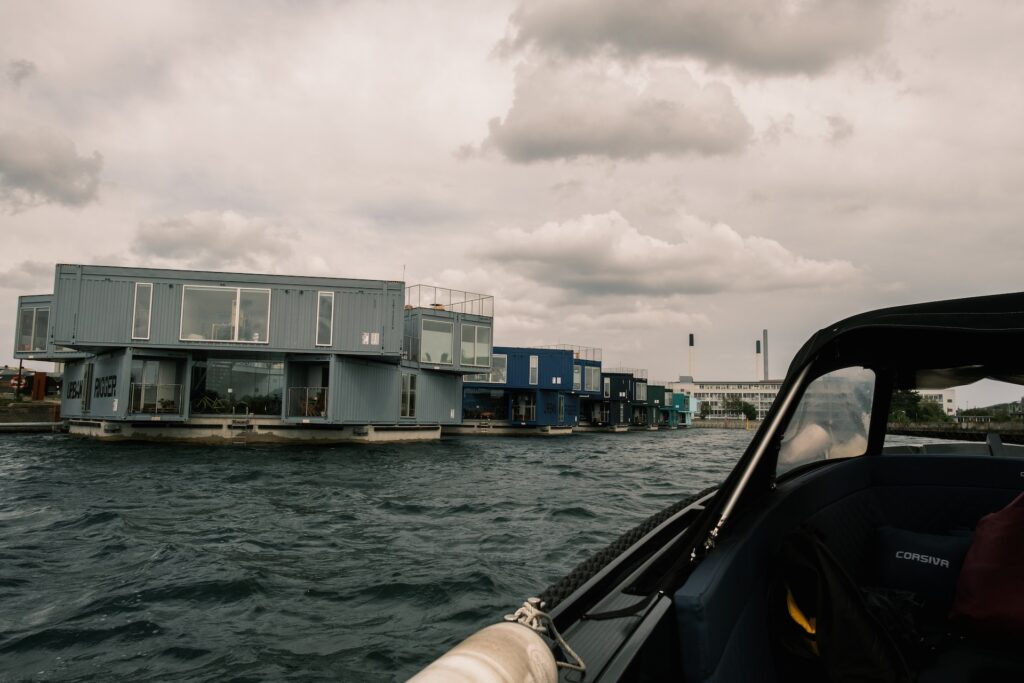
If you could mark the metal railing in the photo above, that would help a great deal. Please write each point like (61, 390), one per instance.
(578, 352)
(444, 299)
(307, 401)
(637, 373)
(162, 399)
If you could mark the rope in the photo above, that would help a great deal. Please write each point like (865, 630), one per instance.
(532, 616)
(584, 571)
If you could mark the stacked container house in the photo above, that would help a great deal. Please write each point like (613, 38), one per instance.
(152, 353)
(527, 391)
(612, 411)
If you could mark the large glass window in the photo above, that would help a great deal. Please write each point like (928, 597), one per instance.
(325, 319)
(831, 420)
(32, 328)
(534, 369)
(436, 342)
(237, 387)
(498, 373)
(476, 345)
(227, 314)
(640, 392)
(143, 310)
(484, 404)
(577, 377)
(593, 378)
(408, 394)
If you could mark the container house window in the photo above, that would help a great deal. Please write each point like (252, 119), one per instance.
(476, 345)
(32, 327)
(577, 379)
(325, 319)
(534, 369)
(408, 394)
(237, 387)
(498, 373)
(225, 314)
(436, 342)
(143, 310)
(607, 387)
(593, 379)
(640, 392)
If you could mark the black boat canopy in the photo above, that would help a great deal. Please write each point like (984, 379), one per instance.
(932, 345)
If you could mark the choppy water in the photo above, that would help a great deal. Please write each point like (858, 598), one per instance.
(362, 563)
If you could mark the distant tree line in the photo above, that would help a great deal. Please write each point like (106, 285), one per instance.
(909, 406)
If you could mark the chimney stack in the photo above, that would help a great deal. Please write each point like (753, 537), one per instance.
(764, 350)
(692, 354)
(757, 359)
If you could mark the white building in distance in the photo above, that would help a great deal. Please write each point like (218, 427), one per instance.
(760, 394)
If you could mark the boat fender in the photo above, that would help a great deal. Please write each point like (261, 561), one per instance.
(501, 653)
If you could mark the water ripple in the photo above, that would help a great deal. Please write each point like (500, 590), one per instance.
(187, 563)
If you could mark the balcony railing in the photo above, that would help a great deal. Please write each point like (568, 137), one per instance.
(637, 373)
(307, 401)
(155, 399)
(578, 352)
(443, 299)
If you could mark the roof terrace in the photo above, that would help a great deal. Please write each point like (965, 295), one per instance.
(637, 373)
(444, 299)
(578, 352)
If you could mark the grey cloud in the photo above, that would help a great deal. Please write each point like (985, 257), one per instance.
(572, 111)
(28, 277)
(20, 69)
(213, 240)
(604, 255)
(760, 36)
(42, 166)
(839, 129)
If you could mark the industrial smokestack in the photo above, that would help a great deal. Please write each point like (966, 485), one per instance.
(757, 359)
(692, 353)
(764, 349)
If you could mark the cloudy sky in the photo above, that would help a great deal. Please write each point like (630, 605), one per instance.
(617, 174)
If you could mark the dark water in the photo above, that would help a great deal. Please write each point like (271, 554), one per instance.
(362, 563)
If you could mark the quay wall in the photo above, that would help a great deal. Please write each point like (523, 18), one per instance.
(726, 424)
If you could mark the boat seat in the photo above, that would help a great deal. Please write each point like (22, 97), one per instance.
(721, 609)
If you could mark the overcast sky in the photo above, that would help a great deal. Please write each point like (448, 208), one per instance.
(617, 174)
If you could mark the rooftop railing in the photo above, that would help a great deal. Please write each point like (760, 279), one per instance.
(578, 352)
(444, 299)
(638, 373)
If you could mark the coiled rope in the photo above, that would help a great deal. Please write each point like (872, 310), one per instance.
(532, 616)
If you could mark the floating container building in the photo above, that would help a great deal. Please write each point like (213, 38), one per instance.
(154, 353)
(612, 410)
(529, 390)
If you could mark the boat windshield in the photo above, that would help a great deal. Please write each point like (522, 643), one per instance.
(831, 420)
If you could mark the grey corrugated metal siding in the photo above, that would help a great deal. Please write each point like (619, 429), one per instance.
(364, 392)
(438, 398)
(95, 308)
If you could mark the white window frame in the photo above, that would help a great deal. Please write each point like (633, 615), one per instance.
(135, 311)
(590, 370)
(408, 395)
(316, 331)
(238, 307)
(606, 390)
(35, 321)
(577, 377)
(534, 377)
(476, 334)
(488, 377)
(451, 352)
